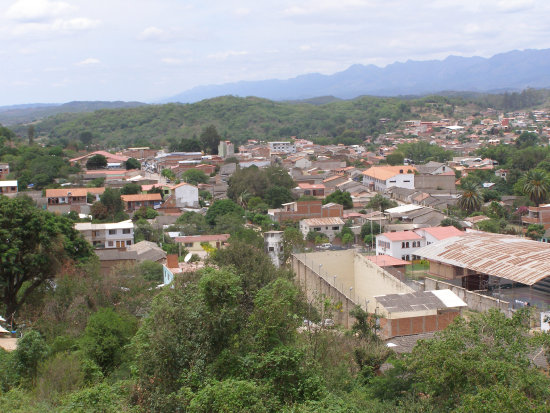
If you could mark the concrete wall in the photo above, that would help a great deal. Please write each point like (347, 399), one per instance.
(427, 181)
(371, 280)
(475, 301)
(316, 287)
(346, 277)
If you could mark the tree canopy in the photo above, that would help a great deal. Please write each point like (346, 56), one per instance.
(34, 244)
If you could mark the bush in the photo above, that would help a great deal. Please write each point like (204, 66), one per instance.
(31, 349)
(58, 375)
(105, 336)
(230, 396)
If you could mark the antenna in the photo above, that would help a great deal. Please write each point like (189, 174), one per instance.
(187, 257)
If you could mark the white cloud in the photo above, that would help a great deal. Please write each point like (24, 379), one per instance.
(153, 33)
(76, 24)
(242, 11)
(37, 10)
(171, 61)
(227, 54)
(89, 61)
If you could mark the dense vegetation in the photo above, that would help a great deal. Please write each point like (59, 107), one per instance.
(238, 119)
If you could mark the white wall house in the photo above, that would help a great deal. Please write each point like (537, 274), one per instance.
(379, 178)
(186, 195)
(434, 234)
(112, 235)
(282, 147)
(400, 244)
(273, 241)
(328, 226)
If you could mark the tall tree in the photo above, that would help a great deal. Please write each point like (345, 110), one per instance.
(210, 139)
(470, 200)
(34, 244)
(536, 185)
(96, 162)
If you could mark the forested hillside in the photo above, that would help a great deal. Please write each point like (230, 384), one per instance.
(239, 119)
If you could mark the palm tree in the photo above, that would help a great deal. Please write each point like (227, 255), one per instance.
(536, 185)
(470, 200)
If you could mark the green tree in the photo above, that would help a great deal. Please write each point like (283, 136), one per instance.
(194, 177)
(192, 223)
(470, 199)
(471, 361)
(339, 197)
(105, 336)
(34, 244)
(210, 139)
(132, 163)
(293, 241)
(395, 158)
(535, 231)
(130, 189)
(86, 137)
(31, 350)
(96, 162)
(527, 139)
(233, 395)
(30, 134)
(536, 185)
(369, 228)
(381, 203)
(168, 174)
(276, 195)
(220, 208)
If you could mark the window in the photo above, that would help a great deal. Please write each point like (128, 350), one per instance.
(406, 181)
(126, 231)
(271, 249)
(403, 245)
(128, 242)
(111, 243)
(335, 228)
(112, 231)
(317, 229)
(188, 244)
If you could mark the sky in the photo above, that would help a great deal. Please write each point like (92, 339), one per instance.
(146, 50)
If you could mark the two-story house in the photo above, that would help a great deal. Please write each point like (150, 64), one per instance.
(328, 226)
(8, 187)
(379, 178)
(400, 244)
(111, 235)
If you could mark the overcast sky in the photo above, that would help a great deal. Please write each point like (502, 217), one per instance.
(58, 51)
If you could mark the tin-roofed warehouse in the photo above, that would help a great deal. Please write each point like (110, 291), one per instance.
(482, 260)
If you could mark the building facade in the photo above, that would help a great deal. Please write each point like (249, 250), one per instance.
(111, 235)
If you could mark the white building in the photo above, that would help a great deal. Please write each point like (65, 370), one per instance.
(225, 149)
(400, 244)
(185, 195)
(434, 234)
(282, 147)
(404, 244)
(112, 235)
(379, 178)
(273, 241)
(328, 226)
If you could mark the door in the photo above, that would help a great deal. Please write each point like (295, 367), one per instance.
(120, 244)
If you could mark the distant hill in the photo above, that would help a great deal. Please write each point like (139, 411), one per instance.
(17, 114)
(511, 71)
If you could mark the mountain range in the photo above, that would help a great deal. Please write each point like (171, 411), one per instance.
(510, 71)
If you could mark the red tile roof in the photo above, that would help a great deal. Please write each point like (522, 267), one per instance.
(401, 236)
(443, 232)
(386, 261)
(203, 238)
(141, 197)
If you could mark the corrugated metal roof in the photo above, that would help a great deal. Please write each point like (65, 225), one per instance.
(505, 256)
(323, 221)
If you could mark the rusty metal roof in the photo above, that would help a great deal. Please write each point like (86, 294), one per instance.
(505, 256)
